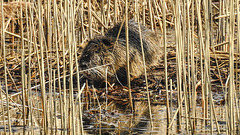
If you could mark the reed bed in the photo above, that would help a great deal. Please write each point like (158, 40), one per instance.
(197, 81)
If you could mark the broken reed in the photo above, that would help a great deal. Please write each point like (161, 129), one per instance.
(50, 35)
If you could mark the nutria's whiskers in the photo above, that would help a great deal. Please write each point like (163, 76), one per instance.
(89, 69)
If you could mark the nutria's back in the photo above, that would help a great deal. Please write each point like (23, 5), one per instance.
(103, 54)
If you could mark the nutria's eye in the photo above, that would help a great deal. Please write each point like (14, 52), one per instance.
(86, 56)
(106, 42)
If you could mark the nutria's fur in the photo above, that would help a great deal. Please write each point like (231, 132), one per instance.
(104, 51)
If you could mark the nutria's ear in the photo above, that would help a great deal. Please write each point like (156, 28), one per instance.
(107, 42)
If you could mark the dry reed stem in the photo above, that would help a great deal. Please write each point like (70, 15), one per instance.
(127, 55)
(47, 35)
(5, 68)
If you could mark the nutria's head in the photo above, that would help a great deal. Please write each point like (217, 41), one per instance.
(97, 58)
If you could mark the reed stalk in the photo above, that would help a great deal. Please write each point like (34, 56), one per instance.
(171, 104)
(193, 67)
(78, 87)
(3, 118)
(238, 63)
(165, 59)
(50, 102)
(22, 68)
(80, 108)
(73, 45)
(90, 19)
(100, 111)
(184, 65)
(54, 102)
(150, 14)
(115, 11)
(145, 72)
(178, 59)
(5, 69)
(201, 44)
(41, 67)
(207, 78)
(64, 102)
(127, 55)
(143, 12)
(231, 89)
(28, 78)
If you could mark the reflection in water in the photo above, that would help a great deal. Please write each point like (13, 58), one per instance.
(117, 119)
(123, 122)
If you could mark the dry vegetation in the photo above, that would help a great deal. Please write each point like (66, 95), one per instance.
(41, 43)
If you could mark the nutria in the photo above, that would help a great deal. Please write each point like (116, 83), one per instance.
(104, 51)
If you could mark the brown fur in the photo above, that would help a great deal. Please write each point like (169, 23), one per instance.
(104, 52)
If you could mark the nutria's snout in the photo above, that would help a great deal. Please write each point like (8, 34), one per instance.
(96, 59)
(105, 55)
